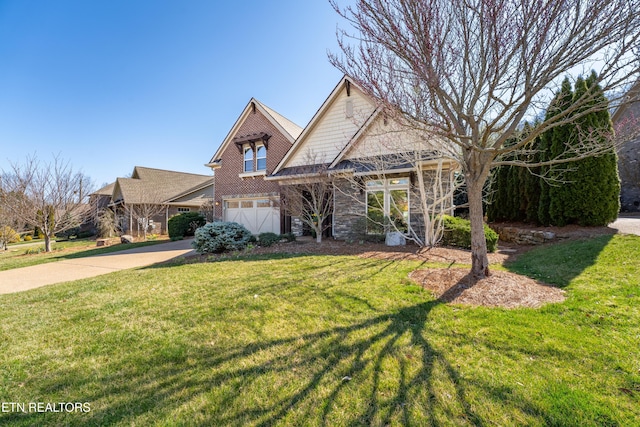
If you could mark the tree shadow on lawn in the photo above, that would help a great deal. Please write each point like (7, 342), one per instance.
(259, 383)
(559, 263)
(383, 368)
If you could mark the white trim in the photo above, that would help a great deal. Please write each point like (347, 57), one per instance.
(252, 174)
(245, 149)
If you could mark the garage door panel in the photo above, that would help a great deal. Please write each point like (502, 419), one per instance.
(256, 215)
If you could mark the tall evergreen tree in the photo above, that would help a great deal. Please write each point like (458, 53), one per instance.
(561, 138)
(590, 188)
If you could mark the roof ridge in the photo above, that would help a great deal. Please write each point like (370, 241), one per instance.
(170, 171)
(286, 123)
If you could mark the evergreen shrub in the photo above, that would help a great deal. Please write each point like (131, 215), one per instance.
(216, 237)
(457, 232)
(185, 224)
(289, 237)
(267, 239)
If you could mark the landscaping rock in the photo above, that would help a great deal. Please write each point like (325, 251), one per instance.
(522, 236)
(395, 238)
(126, 239)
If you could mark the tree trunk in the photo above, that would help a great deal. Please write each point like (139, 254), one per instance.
(477, 170)
(47, 242)
(318, 234)
(479, 259)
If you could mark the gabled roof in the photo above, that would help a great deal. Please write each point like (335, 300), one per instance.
(290, 130)
(148, 185)
(345, 82)
(107, 190)
(631, 98)
(207, 183)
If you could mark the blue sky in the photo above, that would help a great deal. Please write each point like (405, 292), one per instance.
(110, 84)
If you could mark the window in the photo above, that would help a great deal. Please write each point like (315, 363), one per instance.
(184, 210)
(248, 159)
(261, 158)
(232, 204)
(387, 205)
(246, 204)
(263, 203)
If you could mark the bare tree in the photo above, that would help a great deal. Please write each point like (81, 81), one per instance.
(51, 195)
(148, 204)
(469, 72)
(309, 197)
(208, 210)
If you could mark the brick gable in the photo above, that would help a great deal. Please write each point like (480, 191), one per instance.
(228, 183)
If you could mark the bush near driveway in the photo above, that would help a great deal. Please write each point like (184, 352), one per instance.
(185, 224)
(221, 236)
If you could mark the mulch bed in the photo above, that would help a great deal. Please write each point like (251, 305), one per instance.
(501, 289)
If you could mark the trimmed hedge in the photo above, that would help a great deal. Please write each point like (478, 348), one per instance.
(457, 232)
(185, 224)
(221, 236)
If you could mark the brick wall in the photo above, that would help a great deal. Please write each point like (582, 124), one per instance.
(228, 184)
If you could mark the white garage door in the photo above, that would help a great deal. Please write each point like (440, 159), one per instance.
(257, 215)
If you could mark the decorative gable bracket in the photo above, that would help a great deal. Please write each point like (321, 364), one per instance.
(251, 140)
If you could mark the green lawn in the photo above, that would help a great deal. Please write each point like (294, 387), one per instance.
(327, 340)
(25, 255)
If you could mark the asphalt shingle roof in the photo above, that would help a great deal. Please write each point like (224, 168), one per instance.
(148, 185)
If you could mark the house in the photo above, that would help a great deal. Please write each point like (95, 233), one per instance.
(626, 117)
(250, 152)
(379, 166)
(151, 196)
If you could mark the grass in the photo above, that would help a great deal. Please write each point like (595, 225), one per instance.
(25, 256)
(327, 340)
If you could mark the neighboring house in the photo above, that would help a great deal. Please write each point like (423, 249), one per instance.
(350, 140)
(101, 198)
(250, 152)
(160, 193)
(628, 118)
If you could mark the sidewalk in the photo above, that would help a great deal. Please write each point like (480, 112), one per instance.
(627, 224)
(22, 279)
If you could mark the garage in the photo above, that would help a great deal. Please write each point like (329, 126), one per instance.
(257, 215)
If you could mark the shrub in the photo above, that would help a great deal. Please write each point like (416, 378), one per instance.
(221, 236)
(289, 237)
(267, 239)
(68, 234)
(185, 224)
(27, 238)
(86, 234)
(9, 235)
(457, 232)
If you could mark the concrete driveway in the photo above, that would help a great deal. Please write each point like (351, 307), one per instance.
(627, 224)
(22, 279)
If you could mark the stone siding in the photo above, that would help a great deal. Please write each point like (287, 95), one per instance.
(349, 207)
